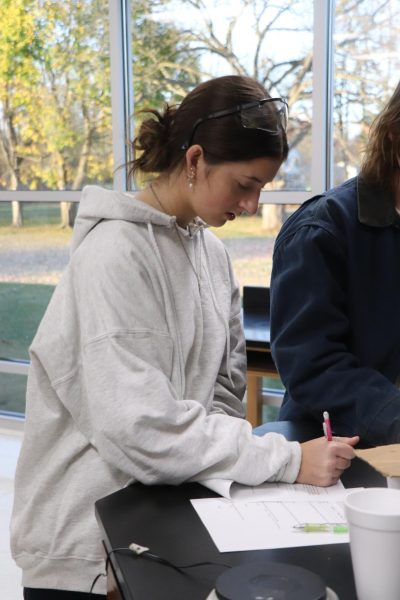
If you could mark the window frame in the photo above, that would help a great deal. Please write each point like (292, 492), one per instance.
(122, 126)
(122, 96)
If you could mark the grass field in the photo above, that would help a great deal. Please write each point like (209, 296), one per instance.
(21, 309)
(35, 213)
(22, 304)
(44, 219)
(12, 393)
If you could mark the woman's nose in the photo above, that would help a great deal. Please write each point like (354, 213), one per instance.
(250, 205)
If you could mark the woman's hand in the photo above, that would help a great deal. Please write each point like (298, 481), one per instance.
(323, 462)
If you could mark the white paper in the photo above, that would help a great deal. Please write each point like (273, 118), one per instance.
(267, 517)
(270, 491)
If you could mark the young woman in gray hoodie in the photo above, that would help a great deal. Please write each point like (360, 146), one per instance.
(138, 368)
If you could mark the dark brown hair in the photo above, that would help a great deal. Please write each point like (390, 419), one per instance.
(381, 164)
(158, 147)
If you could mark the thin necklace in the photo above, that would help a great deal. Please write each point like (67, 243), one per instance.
(179, 236)
(195, 271)
(157, 198)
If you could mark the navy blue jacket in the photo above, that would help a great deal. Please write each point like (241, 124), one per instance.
(335, 312)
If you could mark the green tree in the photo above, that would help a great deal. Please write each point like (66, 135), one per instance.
(55, 130)
(75, 91)
(54, 94)
(19, 48)
(164, 65)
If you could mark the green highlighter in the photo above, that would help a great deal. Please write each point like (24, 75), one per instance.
(322, 528)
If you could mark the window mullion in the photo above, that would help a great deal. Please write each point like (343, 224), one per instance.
(121, 87)
(322, 96)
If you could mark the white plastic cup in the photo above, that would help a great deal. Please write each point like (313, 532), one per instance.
(373, 515)
(393, 482)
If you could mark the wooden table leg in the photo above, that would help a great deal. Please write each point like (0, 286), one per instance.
(254, 399)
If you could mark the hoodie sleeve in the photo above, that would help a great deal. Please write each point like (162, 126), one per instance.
(137, 424)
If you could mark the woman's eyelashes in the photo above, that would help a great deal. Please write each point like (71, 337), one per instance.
(248, 189)
(244, 187)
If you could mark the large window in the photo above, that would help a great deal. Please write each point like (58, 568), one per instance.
(73, 73)
(177, 44)
(55, 107)
(366, 65)
(55, 137)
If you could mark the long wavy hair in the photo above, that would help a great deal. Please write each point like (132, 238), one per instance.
(381, 163)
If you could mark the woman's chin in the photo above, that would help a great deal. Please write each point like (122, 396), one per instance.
(220, 221)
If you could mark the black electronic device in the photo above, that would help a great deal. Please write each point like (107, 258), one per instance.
(271, 581)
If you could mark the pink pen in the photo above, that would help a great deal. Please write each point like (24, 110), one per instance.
(327, 426)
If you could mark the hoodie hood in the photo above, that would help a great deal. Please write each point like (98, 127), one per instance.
(98, 204)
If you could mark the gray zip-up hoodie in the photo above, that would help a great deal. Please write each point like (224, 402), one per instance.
(137, 374)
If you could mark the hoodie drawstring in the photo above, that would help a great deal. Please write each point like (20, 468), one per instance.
(215, 303)
(167, 282)
(168, 293)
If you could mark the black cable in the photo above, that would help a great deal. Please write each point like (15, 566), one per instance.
(180, 568)
(142, 552)
(95, 580)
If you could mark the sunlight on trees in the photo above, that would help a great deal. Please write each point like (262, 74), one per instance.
(55, 107)
(54, 95)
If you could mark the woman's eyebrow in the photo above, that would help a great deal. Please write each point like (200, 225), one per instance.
(254, 178)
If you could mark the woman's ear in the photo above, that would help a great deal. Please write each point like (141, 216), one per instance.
(194, 163)
(194, 155)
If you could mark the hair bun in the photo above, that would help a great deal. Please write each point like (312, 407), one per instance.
(151, 142)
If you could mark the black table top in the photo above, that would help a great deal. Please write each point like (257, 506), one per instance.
(256, 316)
(162, 518)
(257, 331)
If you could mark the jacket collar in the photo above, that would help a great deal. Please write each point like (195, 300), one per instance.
(375, 205)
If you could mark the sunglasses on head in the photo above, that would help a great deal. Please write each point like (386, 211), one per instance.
(252, 116)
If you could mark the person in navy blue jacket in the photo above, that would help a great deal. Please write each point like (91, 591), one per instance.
(335, 297)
